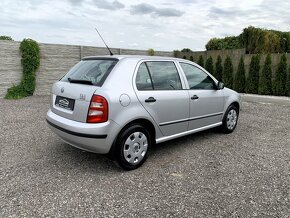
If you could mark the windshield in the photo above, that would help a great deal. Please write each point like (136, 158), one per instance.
(90, 71)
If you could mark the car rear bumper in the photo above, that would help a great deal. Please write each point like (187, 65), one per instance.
(96, 138)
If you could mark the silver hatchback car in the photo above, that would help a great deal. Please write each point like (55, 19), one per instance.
(122, 105)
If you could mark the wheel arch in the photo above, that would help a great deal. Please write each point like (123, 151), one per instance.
(141, 121)
(236, 104)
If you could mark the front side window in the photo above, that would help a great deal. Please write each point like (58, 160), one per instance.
(197, 79)
(164, 75)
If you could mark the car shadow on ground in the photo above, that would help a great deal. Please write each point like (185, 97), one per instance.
(66, 157)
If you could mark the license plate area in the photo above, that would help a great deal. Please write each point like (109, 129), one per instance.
(66, 103)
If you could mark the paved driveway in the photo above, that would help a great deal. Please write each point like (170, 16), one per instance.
(208, 174)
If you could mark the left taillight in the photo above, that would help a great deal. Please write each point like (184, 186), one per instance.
(98, 110)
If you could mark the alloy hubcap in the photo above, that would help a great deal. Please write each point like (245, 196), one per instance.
(232, 119)
(135, 148)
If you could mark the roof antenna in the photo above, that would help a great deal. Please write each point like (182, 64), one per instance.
(104, 42)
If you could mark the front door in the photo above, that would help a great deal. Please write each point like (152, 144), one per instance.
(206, 101)
(159, 89)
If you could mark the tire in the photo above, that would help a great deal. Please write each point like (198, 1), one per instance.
(230, 119)
(132, 147)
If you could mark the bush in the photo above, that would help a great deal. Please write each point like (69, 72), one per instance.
(280, 77)
(288, 83)
(252, 82)
(151, 52)
(230, 42)
(209, 65)
(30, 60)
(218, 73)
(191, 58)
(184, 57)
(176, 53)
(228, 73)
(200, 61)
(6, 38)
(186, 50)
(240, 78)
(265, 79)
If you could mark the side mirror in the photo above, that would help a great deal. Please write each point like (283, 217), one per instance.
(220, 85)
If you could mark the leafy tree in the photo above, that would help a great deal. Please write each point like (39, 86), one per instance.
(228, 73)
(254, 40)
(191, 58)
(240, 78)
(288, 83)
(214, 44)
(6, 38)
(265, 79)
(218, 69)
(252, 82)
(151, 52)
(184, 57)
(186, 50)
(280, 77)
(209, 65)
(200, 61)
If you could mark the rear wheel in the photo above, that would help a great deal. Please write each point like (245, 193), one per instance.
(133, 147)
(230, 119)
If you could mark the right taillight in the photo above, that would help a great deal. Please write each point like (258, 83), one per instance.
(98, 110)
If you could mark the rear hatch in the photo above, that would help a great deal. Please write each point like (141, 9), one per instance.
(71, 96)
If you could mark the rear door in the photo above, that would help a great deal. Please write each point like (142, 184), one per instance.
(206, 101)
(160, 90)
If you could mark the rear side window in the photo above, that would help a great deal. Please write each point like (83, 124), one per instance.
(143, 80)
(158, 75)
(95, 71)
(197, 79)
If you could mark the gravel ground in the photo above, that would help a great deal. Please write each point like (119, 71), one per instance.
(209, 174)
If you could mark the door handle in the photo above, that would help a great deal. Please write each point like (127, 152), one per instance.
(194, 97)
(149, 100)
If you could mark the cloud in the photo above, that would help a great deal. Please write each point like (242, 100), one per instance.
(145, 8)
(216, 12)
(75, 2)
(104, 4)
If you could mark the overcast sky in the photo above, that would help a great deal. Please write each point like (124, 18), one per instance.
(138, 24)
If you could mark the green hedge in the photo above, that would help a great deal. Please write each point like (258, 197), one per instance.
(288, 83)
(265, 79)
(209, 65)
(279, 85)
(218, 73)
(252, 82)
(228, 73)
(30, 60)
(240, 78)
(200, 61)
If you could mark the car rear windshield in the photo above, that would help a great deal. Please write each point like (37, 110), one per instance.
(90, 71)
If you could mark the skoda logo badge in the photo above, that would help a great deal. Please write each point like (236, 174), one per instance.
(62, 90)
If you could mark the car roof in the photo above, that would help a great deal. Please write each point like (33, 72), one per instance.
(139, 57)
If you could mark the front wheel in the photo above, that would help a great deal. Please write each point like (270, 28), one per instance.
(133, 147)
(230, 119)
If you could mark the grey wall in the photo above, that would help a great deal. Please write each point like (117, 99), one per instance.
(10, 65)
(55, 61)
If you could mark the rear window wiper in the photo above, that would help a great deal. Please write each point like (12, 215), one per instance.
(81, 81)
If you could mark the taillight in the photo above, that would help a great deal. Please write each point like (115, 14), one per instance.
(98, 110)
